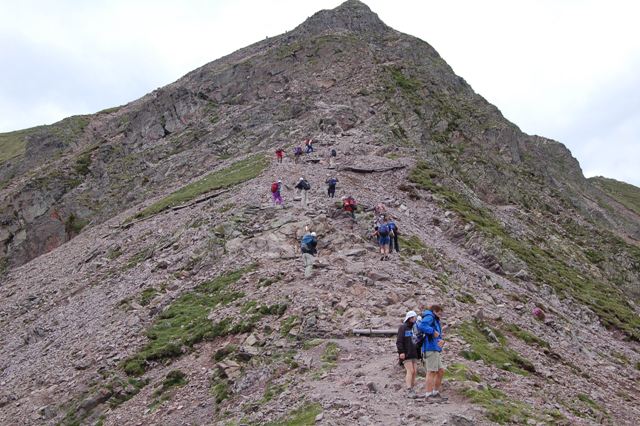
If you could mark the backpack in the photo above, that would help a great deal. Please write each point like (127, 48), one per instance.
(297, 150)
(308, 239)
(333, 153)
(349, 202)
(305, 185)
(418, 336)
(383, 230)
(393, 226)
(332, 182)
(275, 187)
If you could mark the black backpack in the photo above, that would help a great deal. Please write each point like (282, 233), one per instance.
(333, 153)
(305, 185)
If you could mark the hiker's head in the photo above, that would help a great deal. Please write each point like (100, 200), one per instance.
(313, 234)
(436, 309)
(301, 179)
(411, 316)
(279, 180)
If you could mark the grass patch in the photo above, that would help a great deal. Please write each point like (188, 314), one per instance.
(81, 166)
(272, 390)
(147, 296)
(497, 353)
(526, 337)
(500, 408)
(287, 324)
(185, 323)
(141, 256)
(303, 416)
(460, 373)
(175, 378)
(236, 173)
(74, 225)
(466, 298)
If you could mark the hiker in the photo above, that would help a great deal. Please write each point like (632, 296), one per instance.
(308, 246)
(279, 154)
(383, 233)
(431, 352)
(332, 157)
(303, 187)
(408, 352)
(394, 237)
(297, 153)
(331, 186)
(309, 145)
(276, 187)
(349, 205)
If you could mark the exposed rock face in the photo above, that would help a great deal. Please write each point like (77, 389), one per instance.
(97, 310)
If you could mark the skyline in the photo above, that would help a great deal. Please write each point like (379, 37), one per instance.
(567, 70)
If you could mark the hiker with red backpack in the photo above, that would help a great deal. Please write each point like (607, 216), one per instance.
(408, 352)
(349, 205)
(383, 233)
(279, 155)
(276, 187)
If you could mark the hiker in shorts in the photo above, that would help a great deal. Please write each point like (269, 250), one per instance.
(308, 247)
(408, 353)
(303, 186)
(331, 186)
(279, 155)
(383, 233)
(431, 352)
(276, 187)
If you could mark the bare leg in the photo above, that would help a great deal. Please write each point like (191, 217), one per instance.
(438, 380)
(411, 371)
(431, 380)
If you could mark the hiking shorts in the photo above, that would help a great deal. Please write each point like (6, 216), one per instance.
(384, 241)
(432, 361)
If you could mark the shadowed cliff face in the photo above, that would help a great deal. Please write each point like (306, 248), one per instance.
(112, 299)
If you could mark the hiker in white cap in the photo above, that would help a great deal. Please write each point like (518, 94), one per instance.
(303, 186)
(408, 352)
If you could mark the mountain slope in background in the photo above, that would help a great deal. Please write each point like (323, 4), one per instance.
(149, 279)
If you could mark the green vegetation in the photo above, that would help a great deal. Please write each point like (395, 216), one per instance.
(624, 193)
(185, 323)
(147, 296)
(479, 336)
(460, 373)
(272, 390)
(287, 324)
(303, 416)
(224, 352)
(174, 378)
(605, 299)
(329, 357)
(73, 225)
(236, 173)
(500, 408)
(526, 337)
(81, 166)
(141, 256)
(12, 144)
(466, 298)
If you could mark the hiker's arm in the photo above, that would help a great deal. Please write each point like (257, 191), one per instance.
(400, 340)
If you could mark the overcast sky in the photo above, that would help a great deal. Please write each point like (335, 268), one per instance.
(564, 69)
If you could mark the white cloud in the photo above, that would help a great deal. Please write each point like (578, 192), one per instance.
(549, 65)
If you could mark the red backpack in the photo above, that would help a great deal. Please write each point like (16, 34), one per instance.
(274, 187)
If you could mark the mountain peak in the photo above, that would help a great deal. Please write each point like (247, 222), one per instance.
(352, 15)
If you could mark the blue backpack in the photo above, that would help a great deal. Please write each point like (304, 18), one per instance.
(308, 240)
(332, 182)
(383, 230)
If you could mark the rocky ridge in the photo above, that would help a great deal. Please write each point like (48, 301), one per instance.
(75, 320)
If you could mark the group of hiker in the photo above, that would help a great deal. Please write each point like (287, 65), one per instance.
(420, 340)
(298, 152)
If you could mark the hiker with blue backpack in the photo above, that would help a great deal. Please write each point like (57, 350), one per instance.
(431, 351)
(297, 153)
(394, 237)
(408, 352)
(383, 233)
(308, 247)
(331, 186)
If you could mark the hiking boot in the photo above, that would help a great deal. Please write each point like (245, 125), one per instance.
(411, 394)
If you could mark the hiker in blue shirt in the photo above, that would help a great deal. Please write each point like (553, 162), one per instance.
(331, 186)
(431, 351)
(394, 237)
(383, 233)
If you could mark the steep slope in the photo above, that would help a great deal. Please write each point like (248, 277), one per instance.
(201, 315)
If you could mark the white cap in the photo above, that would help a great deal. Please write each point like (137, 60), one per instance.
(313, 233)
(279, 180)
(410, 314)
(301, 179)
